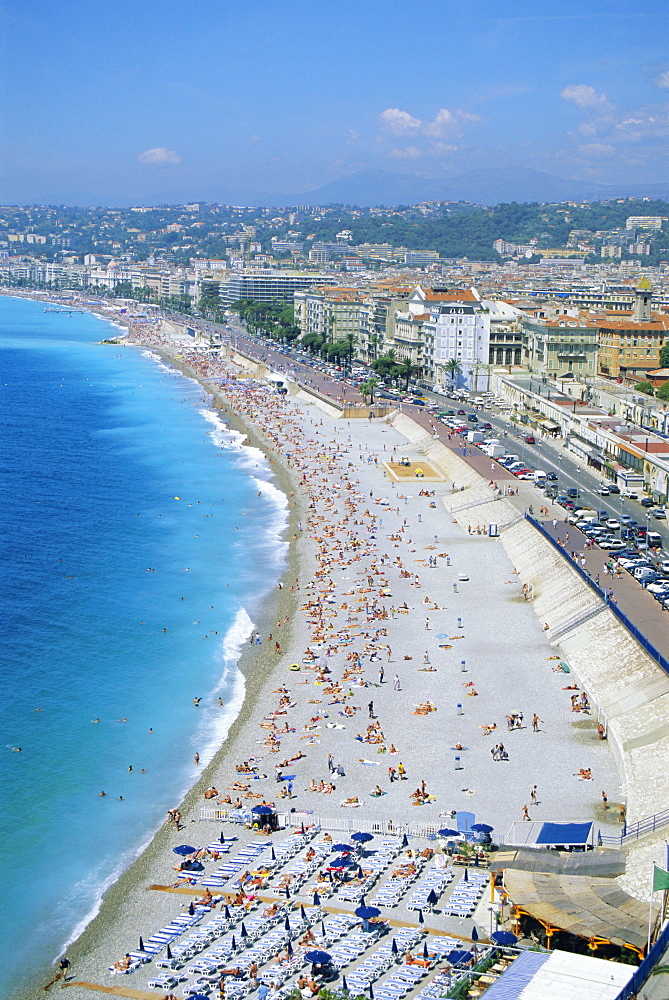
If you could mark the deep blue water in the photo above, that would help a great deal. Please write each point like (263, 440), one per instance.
(126, 592)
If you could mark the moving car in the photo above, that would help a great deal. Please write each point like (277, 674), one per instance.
(530, 439)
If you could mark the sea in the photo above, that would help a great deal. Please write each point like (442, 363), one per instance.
(140, 535)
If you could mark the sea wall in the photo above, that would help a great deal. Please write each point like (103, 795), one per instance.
(629, 690)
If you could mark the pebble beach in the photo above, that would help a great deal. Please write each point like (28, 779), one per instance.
(397, 676)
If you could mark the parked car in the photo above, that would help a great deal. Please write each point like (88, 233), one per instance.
(612, 544)
(660, 513)
(613, 488)
(647, 502)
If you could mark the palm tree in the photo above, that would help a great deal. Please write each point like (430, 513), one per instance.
(405, 373)
(454, 369)
(367, 389)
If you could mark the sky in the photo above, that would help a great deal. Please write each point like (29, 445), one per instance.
(145, 101)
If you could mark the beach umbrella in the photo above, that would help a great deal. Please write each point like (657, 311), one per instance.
(482, 828)
(141, 943)
(168, 953)
(405, 841)
(243, 931)
(362, 838)
(432, 898)
(344, 984)
(302, 911)
(367, 912)
(233, 944)
(425, 951)
(317, 899)
(371, 992)
(322, 928)
(221, 839)
(273, 855)
(505, 938)
(459, 957)
(226, 912)
(287, 891)
(286, 923)
(448, 832)
(465, 877)
(191, 909)
(442, 635)
(197, 996)
(302, 830)
(475, 934)
(184, 849)
(345, 848)
(289, 949)
(394, 949)
(262, 810)
(318, 957)
(421, 919)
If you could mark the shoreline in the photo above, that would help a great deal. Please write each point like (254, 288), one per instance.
(256, 664)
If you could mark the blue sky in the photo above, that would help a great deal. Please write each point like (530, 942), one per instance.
(146, 100)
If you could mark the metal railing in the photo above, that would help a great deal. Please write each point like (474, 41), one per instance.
(643, 971)
(605, 595)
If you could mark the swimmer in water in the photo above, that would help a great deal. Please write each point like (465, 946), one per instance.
(101, 795)
(17, 749)
(196, 702)
(95, 720)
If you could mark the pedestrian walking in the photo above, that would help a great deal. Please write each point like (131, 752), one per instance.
(381, 675)
(426, 657)
(396, 683)
(402, 771)
(605, 801)
(533, 795)
(427, 623)
(526, 815)
(535, 723)
(391, 774)
(370, 709)
(331, 763)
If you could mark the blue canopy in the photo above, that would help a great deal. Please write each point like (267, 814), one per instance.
(262, 810)
(564, 833)
(184, 849)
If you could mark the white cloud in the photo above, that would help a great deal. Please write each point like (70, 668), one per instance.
(399, 122)
(443, 148)
(445, 124)
(409, 153)
(586, 98)
(254, 139)
(352, 135)
(600, 150)
(159, 155)
(663, 79)
(448, 123)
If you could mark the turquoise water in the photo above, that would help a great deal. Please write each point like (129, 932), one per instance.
(139, 535)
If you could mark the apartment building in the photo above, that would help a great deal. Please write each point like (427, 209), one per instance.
(556, 342)
(266, 285)
(630, 345)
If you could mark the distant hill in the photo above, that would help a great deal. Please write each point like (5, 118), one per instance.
(481, 187)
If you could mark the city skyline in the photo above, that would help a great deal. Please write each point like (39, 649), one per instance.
(156, 103)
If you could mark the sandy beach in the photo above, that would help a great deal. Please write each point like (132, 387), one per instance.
(425, 685)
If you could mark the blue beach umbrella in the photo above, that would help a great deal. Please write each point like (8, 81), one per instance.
(262, 810)
(505, 938)
(344, 984)
(226, 912)
(191, 909)
(367, 912)
(394, 949)
(405, 841)
(362, 838)
(317, 899)
(184, 849)
(448, 832)
(287, 891)
(421, 919)
(482, 828)
(371, 992)
(459, 957)
(168, 953)
(465, 877)
(345, 848)
(233, 943)
(322, 928)
(303, 912)
(475, 934)
(318, 957)
(273, 855)
(289, 949)
(197, 996)
(426, 954)
(243, 931)
(432, 898)
(141, 943)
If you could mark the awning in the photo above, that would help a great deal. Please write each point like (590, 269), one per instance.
(590, 908)
(525, 834)
(550, 425)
